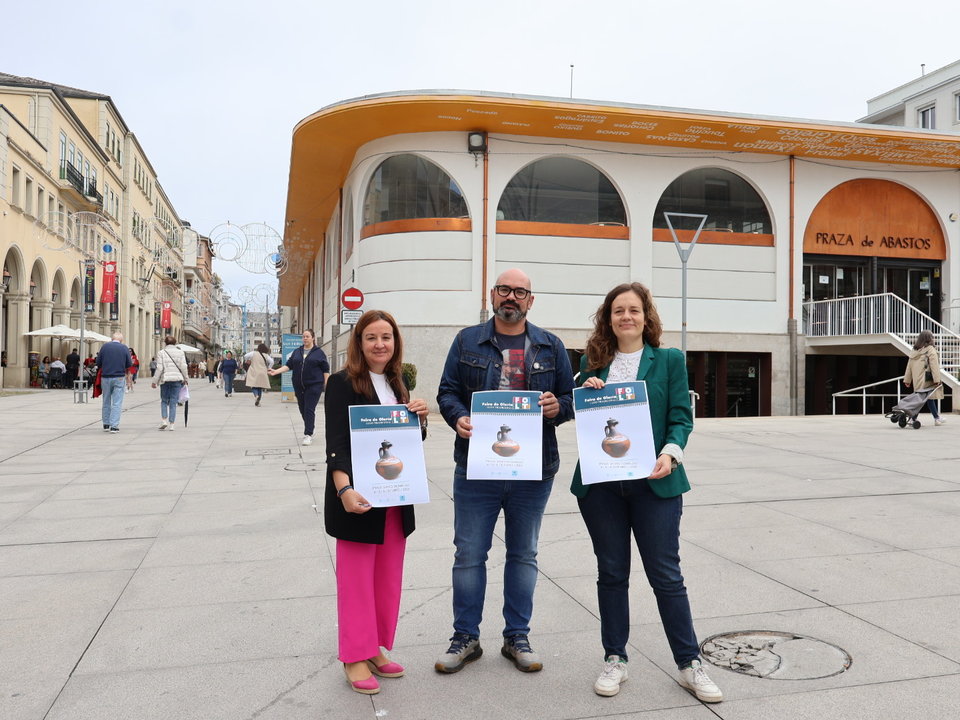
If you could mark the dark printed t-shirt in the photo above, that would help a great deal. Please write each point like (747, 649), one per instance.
(513, 376)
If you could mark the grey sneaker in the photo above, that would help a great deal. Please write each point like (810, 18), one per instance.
(695, 679)
(463, 649)
(517, 648)
(614, 673)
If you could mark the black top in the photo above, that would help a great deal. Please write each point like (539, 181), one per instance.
(309, 370)
(368, 527)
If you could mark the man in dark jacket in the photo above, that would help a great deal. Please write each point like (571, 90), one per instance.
(113, 360)
(505, 353)
(73, 367)
(228, 369)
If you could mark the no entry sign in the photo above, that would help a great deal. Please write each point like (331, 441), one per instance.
(352, 299)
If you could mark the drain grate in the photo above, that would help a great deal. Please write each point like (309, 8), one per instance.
(775, 655)
(268, 451)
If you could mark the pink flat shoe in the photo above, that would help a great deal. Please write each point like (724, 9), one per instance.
(387, 670)
(370, 686)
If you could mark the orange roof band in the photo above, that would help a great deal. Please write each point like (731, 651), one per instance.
(325, 143)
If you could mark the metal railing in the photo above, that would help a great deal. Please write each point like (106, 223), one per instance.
(70, 173)
(861, 392)
(882, 314)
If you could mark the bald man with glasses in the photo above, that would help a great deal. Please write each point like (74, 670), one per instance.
(505, 353)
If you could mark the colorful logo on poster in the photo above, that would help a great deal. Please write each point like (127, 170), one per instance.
(625, 393)
(521, 402)
(399, 416)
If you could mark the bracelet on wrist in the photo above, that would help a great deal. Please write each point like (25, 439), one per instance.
(342, 490)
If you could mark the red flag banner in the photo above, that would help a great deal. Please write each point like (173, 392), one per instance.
(109, 292)
(165, 309)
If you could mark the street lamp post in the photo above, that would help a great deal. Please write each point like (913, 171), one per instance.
(684, 253)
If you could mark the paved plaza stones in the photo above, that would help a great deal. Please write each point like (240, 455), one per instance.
(149, 576)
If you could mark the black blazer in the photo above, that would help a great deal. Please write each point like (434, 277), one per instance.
(368, 527)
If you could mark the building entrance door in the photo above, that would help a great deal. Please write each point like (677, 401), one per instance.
(918, 286)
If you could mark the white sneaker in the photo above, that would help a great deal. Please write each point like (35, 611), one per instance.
(307, 439)
(939, 421)
(614, 673)
(163, 425)
(170, 427)
(695, 679)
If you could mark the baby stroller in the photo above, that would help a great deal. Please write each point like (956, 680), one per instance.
(909, 407)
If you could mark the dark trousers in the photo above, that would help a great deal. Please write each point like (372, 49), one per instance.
(612, 511)
(307, 399)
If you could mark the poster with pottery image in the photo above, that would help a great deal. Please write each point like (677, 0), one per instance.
(614, 436)
(387, 455)
(507, 440)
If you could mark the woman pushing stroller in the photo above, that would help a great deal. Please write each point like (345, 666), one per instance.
(923, 372)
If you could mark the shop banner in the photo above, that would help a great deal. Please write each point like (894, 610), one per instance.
(156, 318)
(289, 343)
(115, 309)
(89, 285)
(507, 439)
(614, 436)
(166, 308)
(109, 292)
(386, 450)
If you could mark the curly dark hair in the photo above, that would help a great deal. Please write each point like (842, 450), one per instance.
(602, 345)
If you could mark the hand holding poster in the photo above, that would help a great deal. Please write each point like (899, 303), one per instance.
(386, 450)
(507, 439)
(614, 435)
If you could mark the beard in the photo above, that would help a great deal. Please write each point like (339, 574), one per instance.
(510, 313)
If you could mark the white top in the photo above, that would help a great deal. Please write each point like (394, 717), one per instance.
(384, 391)
(624, 366)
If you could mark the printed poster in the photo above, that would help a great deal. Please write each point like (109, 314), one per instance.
(387, 454)
(614, 435)
(507, 440)
(289, 343)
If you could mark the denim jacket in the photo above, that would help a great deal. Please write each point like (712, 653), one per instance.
(474, 363)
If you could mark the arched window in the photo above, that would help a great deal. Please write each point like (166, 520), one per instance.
(561, 190)
(408, 187)
(729, 202)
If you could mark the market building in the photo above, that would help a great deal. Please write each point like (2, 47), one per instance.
(825, 247)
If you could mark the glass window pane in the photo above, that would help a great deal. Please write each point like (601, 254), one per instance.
(561, 190)
(729, 202)
(406, 187)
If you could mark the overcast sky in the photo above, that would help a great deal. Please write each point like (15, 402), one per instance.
(213, 89)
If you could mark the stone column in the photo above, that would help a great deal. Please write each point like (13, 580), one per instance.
(18, 308)
(41, 312)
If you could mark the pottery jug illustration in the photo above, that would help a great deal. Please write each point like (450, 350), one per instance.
(614, 444)
(504, 446)
(389, 467)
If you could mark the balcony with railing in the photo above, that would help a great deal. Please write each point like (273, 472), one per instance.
(83, 189)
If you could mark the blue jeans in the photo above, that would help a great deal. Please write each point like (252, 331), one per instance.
(307, 398)
(477, 504)
(932, 407)
(611, 512)
(228, 383)
(169, 395)
(113, 389)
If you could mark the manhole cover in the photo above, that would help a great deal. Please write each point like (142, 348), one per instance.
(269, 451)
(775, 655)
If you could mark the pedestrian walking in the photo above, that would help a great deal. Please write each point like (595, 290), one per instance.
(113, 360)
(258, 363)
(228, 370)
(923, 371)
(505, 353)
(310, 369)
(171, 375)
(370, 541)
(625, 346)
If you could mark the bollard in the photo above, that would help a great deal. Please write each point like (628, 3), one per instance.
(79, 391)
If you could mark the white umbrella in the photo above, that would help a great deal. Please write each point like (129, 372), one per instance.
(190, 349)
(56, 331)
(91, 336)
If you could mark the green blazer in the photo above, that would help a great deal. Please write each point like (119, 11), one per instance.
(671, 418)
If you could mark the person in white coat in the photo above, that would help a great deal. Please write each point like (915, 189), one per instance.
(171, 375)
(258, 363)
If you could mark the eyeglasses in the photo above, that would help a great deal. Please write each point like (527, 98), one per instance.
(518, 292)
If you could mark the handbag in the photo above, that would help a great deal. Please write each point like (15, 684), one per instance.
(928, 374)
(184, 394)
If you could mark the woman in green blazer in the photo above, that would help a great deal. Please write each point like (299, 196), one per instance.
(625, 346)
